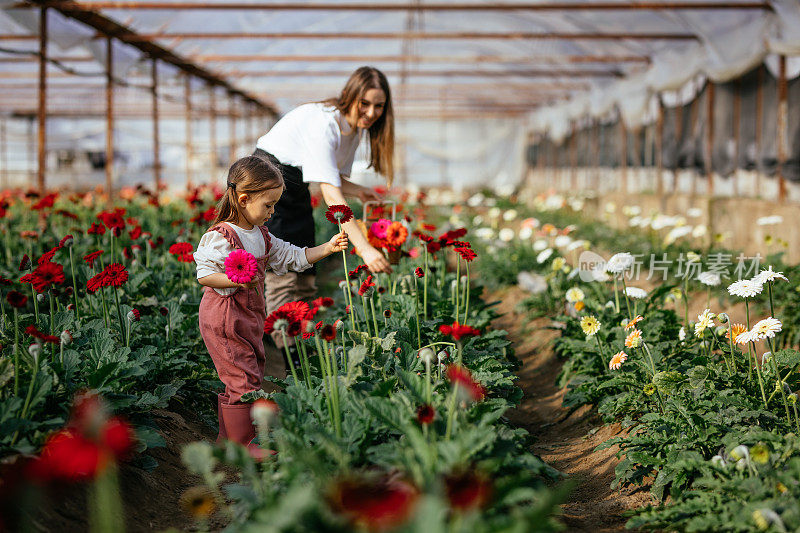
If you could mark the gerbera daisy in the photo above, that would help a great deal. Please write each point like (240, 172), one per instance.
(636, 293)
(47, 275)
(617, 360)
(240, 266)
(711, 279)
(295, 311)
(575, 294)
(632, 323)
(467, 254)
(419, 272)
(746, 337)
(704, 320)
(457, 331)
(769, 275)
(94, 283)
(339, 214)
(115, 275)
(379, 228)
(180, 248)
(634, 339)
(425, 414)
(767, 328)
(16, 299)
(735, 330)
(96, 229)
(328, 333)
(745, 288)
(323, 302)
(619, 263)
(367, 286)
(461, 377)
(396, 234)
(278, 320)
(590, 325)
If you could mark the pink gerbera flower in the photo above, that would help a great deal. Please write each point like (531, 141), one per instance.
(379, 228)
(240, 266)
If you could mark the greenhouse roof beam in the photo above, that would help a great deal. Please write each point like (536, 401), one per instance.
(456, 35)
(110, 28)
(533, 73)
(421, 58)
(401, 6)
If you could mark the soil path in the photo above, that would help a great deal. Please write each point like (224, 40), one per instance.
(565, 441)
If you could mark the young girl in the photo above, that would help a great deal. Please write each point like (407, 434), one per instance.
(232, 315)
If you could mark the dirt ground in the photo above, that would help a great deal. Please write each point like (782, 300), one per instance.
(567, 443)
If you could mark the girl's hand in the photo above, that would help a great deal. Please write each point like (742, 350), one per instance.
(338, 243)
(375, 260)
(252, 284)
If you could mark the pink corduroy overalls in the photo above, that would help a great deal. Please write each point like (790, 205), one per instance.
(233, 326)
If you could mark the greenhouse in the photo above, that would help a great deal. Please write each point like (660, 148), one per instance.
(399, 266)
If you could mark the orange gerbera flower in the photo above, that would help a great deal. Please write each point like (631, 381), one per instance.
(396, 234)
(633, 322)
(737, 330)
(634, 339)
(617, 360)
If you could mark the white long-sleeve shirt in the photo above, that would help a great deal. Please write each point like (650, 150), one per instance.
(214, 249)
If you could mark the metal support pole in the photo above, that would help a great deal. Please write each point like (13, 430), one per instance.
(623, 164)
(759, 127)
(109, 118)
(678, 134)
(42, 109)
(3, 155)
(212, 130)
(737, 133)
(709, 144)
(573, 142)
(187, 97)
(156, 143)
(232, 124)
(693, 112)
(783, 118)
(660, 154)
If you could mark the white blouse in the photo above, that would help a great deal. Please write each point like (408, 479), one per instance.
(315, 138)
(214, 248)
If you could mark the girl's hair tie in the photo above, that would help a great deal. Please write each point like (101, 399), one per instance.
(232, 185)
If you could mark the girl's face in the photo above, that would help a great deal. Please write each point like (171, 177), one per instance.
(258, 208)
(365, 111)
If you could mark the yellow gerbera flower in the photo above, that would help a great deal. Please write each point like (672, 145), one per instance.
(590, 325)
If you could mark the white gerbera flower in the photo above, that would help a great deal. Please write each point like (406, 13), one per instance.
(746, 337)
(525, 233)
(574, 245)
(767, 328)
(619, 263)
(745, 288)
(769, 275)
(510, 215)
(562, 241)
(636, 293)
(770, 221)
(506, 234)
(704, 320)
(682, 334)
(711, 279)
(544, 255)
(539, 245)
(575, 294)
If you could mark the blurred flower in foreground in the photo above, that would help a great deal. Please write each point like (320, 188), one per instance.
(376, 503)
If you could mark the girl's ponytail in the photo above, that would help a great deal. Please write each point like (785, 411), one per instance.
(249, 175)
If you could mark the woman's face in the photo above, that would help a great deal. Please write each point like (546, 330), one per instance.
(365, 111)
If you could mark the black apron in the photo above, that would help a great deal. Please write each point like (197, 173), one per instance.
(293, 220)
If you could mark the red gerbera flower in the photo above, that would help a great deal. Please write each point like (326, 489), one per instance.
(34, 332)
(366, 287)
(96, 282)
(67, 240)
(295, 311)
(339, 214)
(25, 263)
(428, 227)
(467, 254)
(16, 299)
(180, 248)
(467, 490)
(135, 233)
(48, 255)
(433, 247)
(323, 302)
(328, 332)
(113, 219)
(91, 257)
(419, 272)
(46, 275)
(460, 376)
(277, 320)
(375, 504)
(186, 258)
(360, 268)
(425, 414)
(115, 275)
(96, 229)
(457, 331)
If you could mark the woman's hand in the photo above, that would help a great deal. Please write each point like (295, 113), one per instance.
(338, 243)
(366, 194)
(375, 260)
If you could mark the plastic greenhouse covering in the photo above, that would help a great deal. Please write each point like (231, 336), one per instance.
(462, 120)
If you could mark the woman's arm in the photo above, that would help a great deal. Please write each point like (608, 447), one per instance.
(372, 257)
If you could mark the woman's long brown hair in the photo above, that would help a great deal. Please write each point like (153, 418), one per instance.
(249, 175)
(381, 133)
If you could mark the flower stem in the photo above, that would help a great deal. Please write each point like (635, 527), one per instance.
(458, 284)
(74, 285)
(779, 380)
(451, 411)
(466, 295)
(425, 287)
(416, 314)
(347, 280)
(16, 352)
(374, 316)
(289, 358)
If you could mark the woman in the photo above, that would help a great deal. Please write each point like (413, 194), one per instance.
(316, 143)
